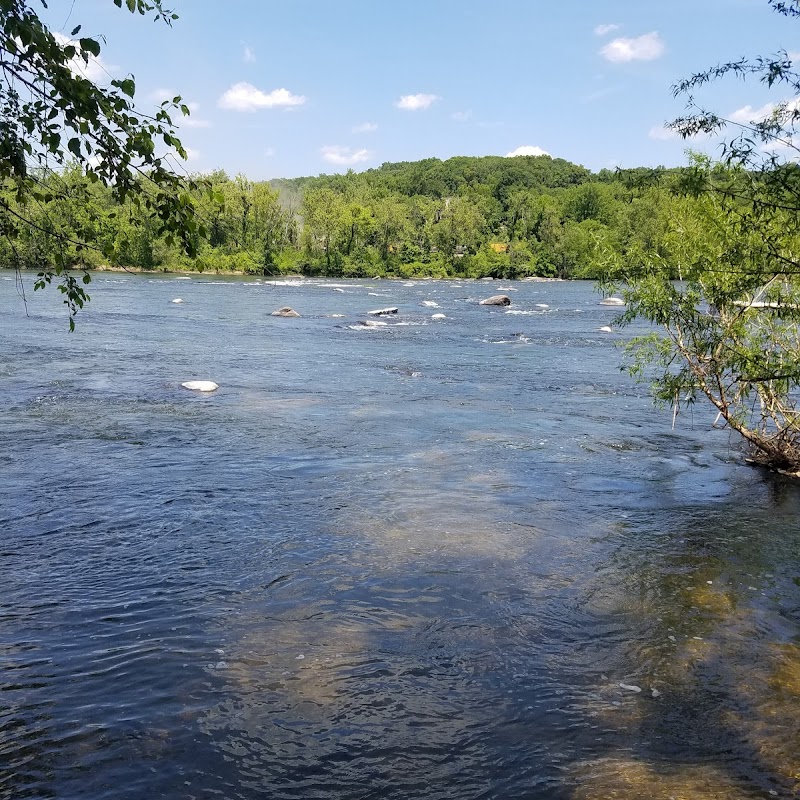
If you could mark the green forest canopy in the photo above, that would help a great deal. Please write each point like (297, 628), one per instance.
(466, 216)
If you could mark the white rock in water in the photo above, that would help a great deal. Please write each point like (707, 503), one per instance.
(430, 304)
(177, 300)
(201, 386)
(630, 687)
(655, 693)
(542, 305)
(612, 301)
(438, 316)
(606, 329)
(379, 312)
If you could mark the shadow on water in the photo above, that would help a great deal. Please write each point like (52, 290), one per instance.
(714, 607)
(444, 652)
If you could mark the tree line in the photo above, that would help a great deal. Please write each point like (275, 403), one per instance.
(463, 217)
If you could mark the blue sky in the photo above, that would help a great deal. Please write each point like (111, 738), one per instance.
(300, 87)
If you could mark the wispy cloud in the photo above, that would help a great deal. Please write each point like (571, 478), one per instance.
(248, 54)
(602, 30)
(344, 156)
(192, 122)
(162, 95)
(661, 133)
(599, 94)
(646, 47)
(96, 69)
(461, 116)
(365, 127)
(747, 114)
(416, 102)
(244, 96)
(527, 150)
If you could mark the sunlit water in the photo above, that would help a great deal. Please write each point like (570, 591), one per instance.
(437, 559)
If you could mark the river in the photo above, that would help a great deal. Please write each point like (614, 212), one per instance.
(459, 558)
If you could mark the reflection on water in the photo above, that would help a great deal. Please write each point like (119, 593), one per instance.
(410, 564)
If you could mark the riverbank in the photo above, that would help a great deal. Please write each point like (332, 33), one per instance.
(300, 276)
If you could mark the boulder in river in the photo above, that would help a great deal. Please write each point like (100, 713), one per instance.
(438, 316)
(177, 300)
(286, 311)
(497, 300)
(612, 301)
(382, 312)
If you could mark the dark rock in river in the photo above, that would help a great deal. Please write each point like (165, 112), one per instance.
(286, 311)
(380, 312)
(497, 300)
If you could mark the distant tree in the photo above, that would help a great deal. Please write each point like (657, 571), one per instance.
(51, 114)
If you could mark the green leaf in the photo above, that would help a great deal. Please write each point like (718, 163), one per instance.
(90, 46)
(128, 87)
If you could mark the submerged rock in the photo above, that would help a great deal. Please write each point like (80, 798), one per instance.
(612, 301)
(497, 300)
(606, 329)
(381, 312)
(371, 323)
(286, 311)
(438, 316)
(201, 386)
(177, 300)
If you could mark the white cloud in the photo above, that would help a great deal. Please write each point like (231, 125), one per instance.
(646, 47)
(192, 122)
(461, 116)
(416, 102)
(161, 95)
(344, 156)
(661, 133)
(192, 154)
(527, 150)
(96, 69)
(602, 30)
(365, 127)
(248, 55)
(244, 96)
(747, 114)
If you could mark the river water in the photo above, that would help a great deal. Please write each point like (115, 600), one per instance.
(462, 558)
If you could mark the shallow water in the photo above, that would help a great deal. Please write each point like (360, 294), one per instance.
(418, 560)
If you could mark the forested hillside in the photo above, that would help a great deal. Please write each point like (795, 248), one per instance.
(490, 216)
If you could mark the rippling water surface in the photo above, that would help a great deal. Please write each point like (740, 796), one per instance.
(436, 559)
